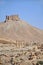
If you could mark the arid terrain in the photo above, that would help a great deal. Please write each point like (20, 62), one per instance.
(20, 43)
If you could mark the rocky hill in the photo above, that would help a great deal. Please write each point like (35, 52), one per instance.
(20, 43)
(16, 29)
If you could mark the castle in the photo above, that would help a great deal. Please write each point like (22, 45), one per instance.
(12, 17)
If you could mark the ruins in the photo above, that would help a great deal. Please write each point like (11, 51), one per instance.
(12, 17)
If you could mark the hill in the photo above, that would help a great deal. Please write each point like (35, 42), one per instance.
(16, 29)
(20, 43)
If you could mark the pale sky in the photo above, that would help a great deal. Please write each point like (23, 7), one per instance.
(29, 10)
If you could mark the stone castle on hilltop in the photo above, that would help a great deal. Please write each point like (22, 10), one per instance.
(12, 17)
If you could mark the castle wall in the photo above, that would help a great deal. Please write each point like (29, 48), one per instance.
(13, 17)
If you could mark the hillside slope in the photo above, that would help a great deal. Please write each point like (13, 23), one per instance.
(20, 30)
(16, 43)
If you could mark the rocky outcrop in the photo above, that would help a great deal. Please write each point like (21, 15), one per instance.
(11, 55)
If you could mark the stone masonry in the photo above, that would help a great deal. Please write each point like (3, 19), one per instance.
(12, 17)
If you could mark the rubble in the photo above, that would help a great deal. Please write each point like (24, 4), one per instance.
(17, 57)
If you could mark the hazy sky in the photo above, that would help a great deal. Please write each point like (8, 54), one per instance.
(28, 10)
